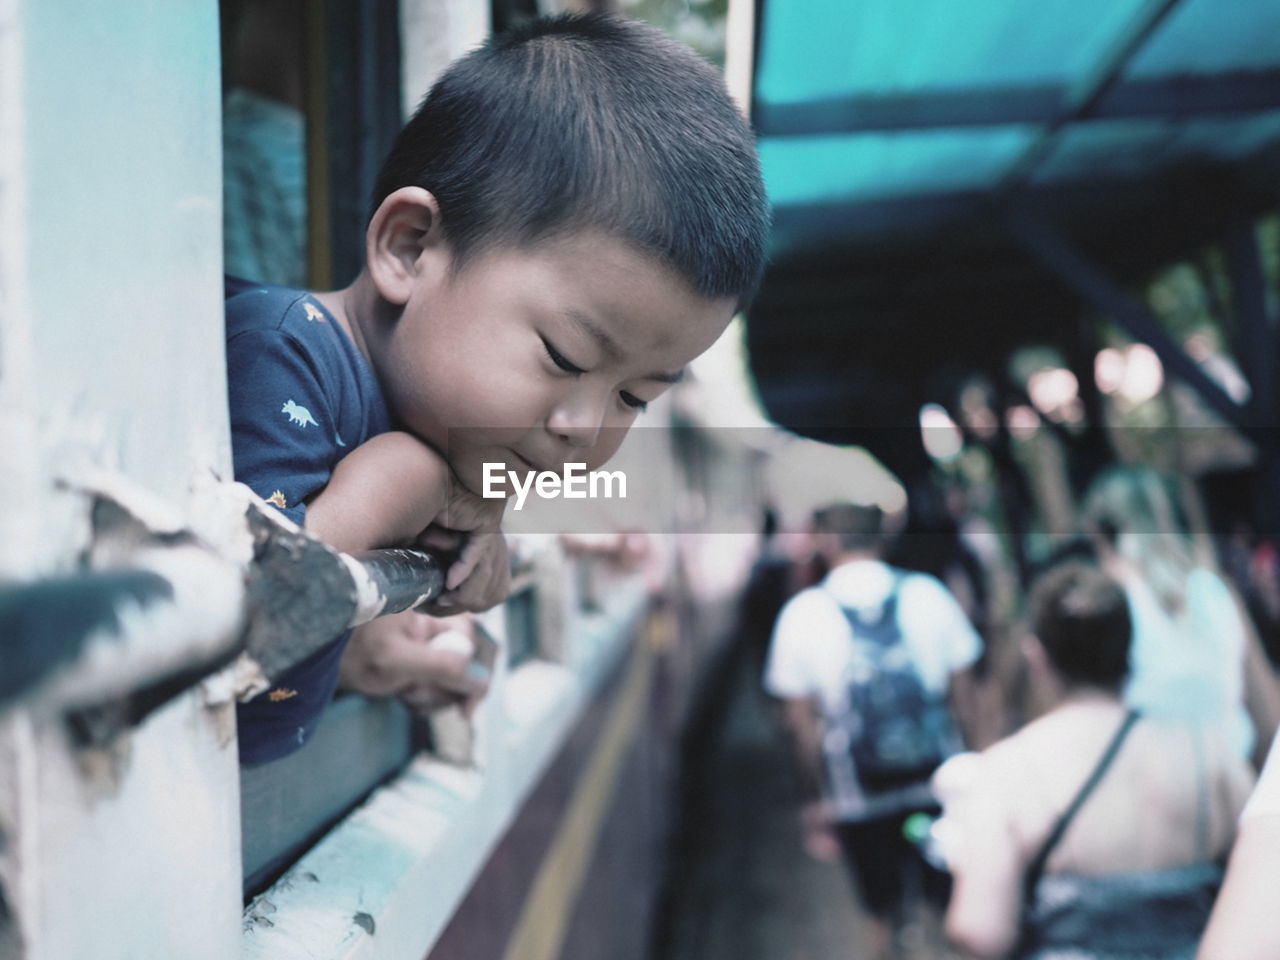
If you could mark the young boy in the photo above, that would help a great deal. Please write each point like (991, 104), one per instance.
(573, 214)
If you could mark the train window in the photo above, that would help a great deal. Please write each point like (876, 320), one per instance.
(264, 136)
(286, 805)
(505, 14)
(302, 78)
(522, 625)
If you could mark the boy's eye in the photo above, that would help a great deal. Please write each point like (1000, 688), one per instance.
(634, 402)
(559, 359)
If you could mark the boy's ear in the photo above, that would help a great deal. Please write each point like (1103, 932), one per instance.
(404, 227)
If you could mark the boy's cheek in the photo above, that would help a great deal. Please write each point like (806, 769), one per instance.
(606, 446)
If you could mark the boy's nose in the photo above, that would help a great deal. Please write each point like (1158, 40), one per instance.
(577, 422)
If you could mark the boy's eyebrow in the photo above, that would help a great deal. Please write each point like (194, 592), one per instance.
(597, 333)
(610, 346)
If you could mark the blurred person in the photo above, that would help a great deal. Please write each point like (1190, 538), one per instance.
(1243, 925)
(866, 664)
(1249, 562)
(1190, 642)
(768, 586)
(1095, 832)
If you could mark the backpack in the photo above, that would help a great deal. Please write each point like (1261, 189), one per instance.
(890, 728)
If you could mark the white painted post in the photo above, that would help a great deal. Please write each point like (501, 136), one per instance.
(111, 357)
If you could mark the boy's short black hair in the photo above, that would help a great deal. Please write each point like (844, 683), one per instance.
(594, 121)
(1081, 618)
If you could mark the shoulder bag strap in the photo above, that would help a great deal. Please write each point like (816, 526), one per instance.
(1036, 868)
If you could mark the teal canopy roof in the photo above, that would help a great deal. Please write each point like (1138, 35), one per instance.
(898, 136)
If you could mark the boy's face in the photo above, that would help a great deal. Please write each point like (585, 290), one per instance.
(538, 356)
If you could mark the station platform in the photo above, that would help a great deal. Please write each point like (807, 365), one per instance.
(744, 889)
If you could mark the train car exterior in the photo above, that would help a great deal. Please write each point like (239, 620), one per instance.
(127, 828)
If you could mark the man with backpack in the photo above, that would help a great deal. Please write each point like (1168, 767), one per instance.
(867, 665)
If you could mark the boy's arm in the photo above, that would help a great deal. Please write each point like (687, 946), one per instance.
(394, 490)
(382, 494)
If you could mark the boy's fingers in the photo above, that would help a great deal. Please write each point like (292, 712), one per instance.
(480, 559)
(478, 579)
(438, 538)
(461, 568)
(483, 589)
(465, 511)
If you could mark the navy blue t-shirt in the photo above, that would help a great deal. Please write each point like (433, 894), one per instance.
(301, 397)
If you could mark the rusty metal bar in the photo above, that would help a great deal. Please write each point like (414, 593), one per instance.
(46, 625)
(108, 646)
(303, 593)
(402, 578)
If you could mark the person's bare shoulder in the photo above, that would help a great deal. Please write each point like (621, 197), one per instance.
(1023, 769)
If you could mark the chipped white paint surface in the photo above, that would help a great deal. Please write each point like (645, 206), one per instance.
(123, 251)
(384, 883)
(111, 359)
(19, 479)
(202, 621)
(140, 857)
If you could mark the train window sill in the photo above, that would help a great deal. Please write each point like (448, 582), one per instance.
(384, 882)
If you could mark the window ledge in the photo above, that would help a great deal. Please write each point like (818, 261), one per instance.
(385, 881)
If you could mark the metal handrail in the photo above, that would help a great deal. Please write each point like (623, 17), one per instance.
(305, 594)
(100, 644)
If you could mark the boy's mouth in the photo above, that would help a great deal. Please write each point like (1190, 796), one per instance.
(529, 463)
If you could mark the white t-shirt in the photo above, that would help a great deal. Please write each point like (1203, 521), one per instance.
(1190, 666)
(812, 648)
(812, 644)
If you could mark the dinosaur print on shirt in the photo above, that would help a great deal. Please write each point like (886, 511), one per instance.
(299, 415)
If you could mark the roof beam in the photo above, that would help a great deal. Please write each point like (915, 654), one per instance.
(1089, 90)
(1164, 98)
(1094, 286)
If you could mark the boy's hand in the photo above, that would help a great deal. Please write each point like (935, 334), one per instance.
(399, 656)
(478, 579)
(480, 575)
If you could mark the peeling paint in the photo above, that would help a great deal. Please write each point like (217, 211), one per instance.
(259, 914)
(303, 593)
(202, 622)
(103, 768)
